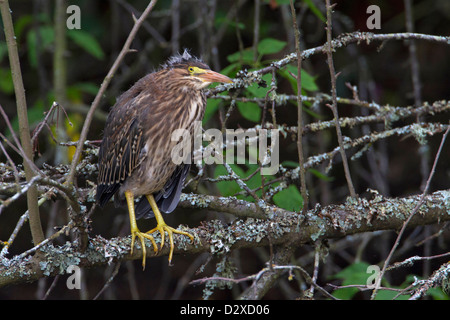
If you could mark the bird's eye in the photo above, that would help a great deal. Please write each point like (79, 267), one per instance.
(191, 69)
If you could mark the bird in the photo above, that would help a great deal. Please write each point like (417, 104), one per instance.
(134, 159)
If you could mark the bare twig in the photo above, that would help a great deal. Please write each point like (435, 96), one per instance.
(410, 261)
(18, 147)
(415, 69)
(256, 29)
(110, 279)
(334, 103)
(301, 159)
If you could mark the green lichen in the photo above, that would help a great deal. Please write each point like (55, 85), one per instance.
(226, 269)
(195, 201)
(58, 258)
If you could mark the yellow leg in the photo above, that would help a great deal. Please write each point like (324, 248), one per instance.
(162, 227)
(135, 231)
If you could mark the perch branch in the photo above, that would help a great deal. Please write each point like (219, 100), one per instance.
(284, 227)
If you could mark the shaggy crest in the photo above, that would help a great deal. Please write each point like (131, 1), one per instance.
(181, 58)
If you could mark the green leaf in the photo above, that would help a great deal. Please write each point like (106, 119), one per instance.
(6, 82)
(353, 274)
(228, 188)
(46, 37)
(390, 294)
(87, 42)
(289, 164)
(75, 92)
(231, 69)
(289, 199)
(308, 81)
(320, 175)
(3, 50)
(35, 115)
(353, 269)
(21, 24)
(258, 91)
(315, 10)
(211, 107)
(244, 57)
(250, 110)
(87, 87)
(270, 46)
(437, 294)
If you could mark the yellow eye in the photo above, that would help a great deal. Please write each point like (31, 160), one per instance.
(191, 69)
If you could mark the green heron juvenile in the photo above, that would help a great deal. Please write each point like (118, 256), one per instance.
(135, 153)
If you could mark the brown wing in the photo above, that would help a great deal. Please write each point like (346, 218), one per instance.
(119, 150)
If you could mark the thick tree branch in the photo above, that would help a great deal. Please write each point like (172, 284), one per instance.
(334, 221)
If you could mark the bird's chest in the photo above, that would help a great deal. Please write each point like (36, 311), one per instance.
(170, 136)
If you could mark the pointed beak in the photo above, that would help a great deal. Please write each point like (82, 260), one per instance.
(211, 76)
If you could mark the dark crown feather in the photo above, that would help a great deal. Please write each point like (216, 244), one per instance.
(183, 58)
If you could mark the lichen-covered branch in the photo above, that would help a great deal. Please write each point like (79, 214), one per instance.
(283, 227)
(339, 42)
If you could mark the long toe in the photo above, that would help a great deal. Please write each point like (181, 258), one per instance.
(170, 231)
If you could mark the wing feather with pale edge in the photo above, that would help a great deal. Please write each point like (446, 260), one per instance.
(119, 155)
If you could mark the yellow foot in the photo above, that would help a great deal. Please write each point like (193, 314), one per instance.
(162, 228)
(136, 233)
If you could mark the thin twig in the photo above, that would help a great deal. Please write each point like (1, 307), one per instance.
(410, 261)
(12, 164)
(334, 103)
(18, 147)
(46, 241)
(301, 159)
(110, 279)
(257, 276)
(50, 289)
(256, 21)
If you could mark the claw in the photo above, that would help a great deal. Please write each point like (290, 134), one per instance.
(162, 227)
(136, 233)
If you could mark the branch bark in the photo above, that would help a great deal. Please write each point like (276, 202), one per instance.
(284, 227)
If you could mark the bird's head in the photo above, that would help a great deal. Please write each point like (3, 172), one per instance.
(190, 71)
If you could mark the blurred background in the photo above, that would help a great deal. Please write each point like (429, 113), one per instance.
(230, 36)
